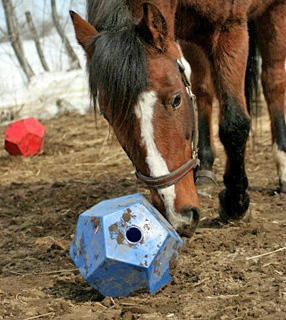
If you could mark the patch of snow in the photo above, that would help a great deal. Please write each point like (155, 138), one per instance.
(48, 93)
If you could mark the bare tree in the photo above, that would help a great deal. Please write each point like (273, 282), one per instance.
(2, 31)
(15, 38)
(36, 40)
(74, 59)
(3, 35)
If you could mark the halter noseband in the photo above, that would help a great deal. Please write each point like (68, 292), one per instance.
(176, 175)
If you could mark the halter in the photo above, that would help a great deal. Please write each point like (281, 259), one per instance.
(173, 177)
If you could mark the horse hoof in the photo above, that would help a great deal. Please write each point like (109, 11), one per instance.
(205, 189)
(205, 182)
(247, 216)
(232, 206)
(205, 177)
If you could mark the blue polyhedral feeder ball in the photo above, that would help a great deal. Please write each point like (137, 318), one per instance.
(123, 246)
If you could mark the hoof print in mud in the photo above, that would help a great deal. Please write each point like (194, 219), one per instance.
(124, 246)
(232, 206)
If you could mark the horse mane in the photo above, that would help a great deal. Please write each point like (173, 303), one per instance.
(118, 68)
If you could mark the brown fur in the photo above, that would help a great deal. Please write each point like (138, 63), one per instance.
(214, 38)
(219, 30)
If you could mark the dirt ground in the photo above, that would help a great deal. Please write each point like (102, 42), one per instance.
(218, 276)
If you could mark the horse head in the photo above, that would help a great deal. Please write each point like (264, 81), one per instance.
(138, 83)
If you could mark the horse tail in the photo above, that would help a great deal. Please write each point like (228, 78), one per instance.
(252, 71)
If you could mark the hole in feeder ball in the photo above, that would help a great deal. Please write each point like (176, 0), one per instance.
(133, 234)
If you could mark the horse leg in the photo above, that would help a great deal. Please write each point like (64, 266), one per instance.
(228, 59)
(203, 89)
(271, 29)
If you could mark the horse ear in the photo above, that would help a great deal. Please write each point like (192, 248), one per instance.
(153, 27)
(83, 30)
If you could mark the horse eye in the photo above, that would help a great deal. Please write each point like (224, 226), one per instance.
(176, 101)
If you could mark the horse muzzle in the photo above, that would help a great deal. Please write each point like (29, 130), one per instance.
(186, 221)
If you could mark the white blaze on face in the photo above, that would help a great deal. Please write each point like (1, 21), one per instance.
(156, 164)
(280, 159)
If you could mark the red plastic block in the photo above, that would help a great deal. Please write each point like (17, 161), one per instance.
(24, 137)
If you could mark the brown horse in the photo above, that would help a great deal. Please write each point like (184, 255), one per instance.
(137, 80)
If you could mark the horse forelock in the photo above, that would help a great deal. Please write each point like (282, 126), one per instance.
(117, 69)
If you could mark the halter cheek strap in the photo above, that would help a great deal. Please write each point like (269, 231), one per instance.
(168, 179)
(199, 173)
(187, 84)
(176, 175)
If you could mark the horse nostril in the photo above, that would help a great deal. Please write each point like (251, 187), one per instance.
(191, 218)
(192, 212)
